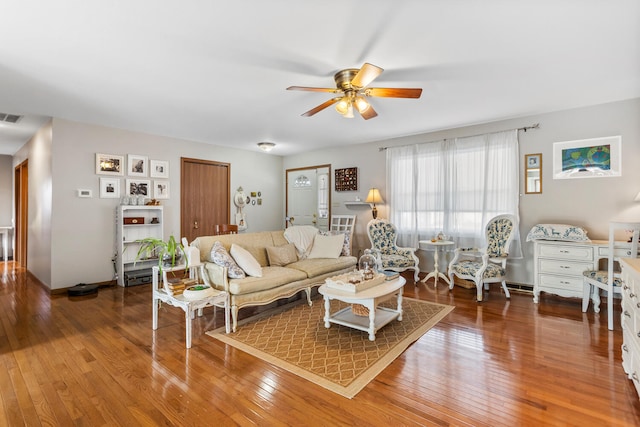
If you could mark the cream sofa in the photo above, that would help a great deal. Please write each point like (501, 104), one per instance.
(276, 282)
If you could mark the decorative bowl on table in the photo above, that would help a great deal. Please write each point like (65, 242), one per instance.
(196, 292)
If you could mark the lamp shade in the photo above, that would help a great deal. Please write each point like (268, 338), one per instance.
(374, 196)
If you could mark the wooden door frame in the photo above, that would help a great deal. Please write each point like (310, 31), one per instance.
(21, 214)
(286, 188)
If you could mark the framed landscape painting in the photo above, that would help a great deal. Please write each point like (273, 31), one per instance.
(109, 164)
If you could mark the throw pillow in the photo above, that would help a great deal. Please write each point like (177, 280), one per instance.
(246, 261)
(326, 246)
(282, 255)
(221, 257)
(346, 247)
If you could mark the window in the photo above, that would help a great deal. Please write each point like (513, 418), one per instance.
(455, 186)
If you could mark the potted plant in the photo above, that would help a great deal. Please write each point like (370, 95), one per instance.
(169, 253)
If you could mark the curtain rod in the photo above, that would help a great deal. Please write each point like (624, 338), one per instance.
(525, 128)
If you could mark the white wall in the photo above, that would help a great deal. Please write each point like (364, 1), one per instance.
(83, 229)
(586, 202)
(39, 246)
(6, 196)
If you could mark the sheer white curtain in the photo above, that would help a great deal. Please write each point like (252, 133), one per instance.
(455, 186)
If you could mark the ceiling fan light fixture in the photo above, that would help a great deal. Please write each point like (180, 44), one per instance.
(349, 113)
(266, 146)
(361, 104)
(342, 106)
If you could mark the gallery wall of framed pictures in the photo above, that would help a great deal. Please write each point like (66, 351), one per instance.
(137, 169)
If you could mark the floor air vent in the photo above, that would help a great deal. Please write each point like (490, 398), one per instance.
(9, 118)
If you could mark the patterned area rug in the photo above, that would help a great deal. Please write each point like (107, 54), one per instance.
(339, 358)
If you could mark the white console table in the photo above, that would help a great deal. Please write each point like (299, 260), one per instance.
(558, 265)
(5, 241)
(190, 307)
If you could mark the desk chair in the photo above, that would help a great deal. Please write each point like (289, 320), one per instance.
(609, 280)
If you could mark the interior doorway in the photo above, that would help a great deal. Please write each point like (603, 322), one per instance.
(205, 196)
(309, 196)
(21, 203)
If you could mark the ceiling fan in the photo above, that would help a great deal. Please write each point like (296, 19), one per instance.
(352, 84)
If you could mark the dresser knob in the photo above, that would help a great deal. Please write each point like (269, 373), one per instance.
(625, 287)
(624, 347)
(632, 295)
(634, 376)
(626, 313)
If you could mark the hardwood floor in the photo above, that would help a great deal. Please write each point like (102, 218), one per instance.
(95, 361)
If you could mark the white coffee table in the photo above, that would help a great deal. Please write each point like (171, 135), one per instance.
(370, 298)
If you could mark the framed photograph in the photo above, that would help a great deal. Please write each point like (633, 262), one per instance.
(159, 169)
(137, 165)
(587, 158)
(138, 187)
(109, 188)
(109, 164)
(533, 160)
(160, 189)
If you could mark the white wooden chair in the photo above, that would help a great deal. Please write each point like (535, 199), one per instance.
(609, 280)
(489, 264)
(344, 224)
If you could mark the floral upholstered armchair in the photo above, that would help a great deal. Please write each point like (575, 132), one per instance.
(488, 264)
(383, 236)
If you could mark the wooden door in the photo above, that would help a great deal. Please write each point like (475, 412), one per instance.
(205, 196)
(21, 194)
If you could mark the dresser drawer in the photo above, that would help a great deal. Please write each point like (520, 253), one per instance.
(555, 266)
(578, 253)
(573, 284)
(603, 252)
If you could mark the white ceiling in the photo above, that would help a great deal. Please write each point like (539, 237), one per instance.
(216, 71)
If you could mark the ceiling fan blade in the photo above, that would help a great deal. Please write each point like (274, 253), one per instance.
(386, 92)
(321, 107)
(369, 113)
(366, 75)
(313, 89)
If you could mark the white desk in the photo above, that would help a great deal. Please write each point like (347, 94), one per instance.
(220, 299)
(5, 241)
(436, 268)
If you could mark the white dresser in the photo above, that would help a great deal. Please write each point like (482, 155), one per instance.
(630, 319)
(558, 265)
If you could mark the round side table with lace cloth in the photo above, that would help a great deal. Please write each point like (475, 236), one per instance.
(437, 245)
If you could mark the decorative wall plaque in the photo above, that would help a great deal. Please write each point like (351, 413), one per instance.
(346, 179)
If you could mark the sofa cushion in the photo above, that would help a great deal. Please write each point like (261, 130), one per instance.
(319, 266)
(246, 261)
(326, 246)
(221, 257)
(346, 247)
(272, 277)
(281, 255)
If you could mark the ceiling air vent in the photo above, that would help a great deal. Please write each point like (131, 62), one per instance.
(9, 118)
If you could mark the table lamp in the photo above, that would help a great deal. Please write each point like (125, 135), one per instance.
(374, 197)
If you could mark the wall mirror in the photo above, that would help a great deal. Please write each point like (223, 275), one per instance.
(309, 196)
(533, 173)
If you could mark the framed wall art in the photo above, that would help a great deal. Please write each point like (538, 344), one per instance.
(137, 165)
(109, 164)
(109, 188)
(587, 158)
(160, 189)
(159, 169)
(138, 187)
(346, 179)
